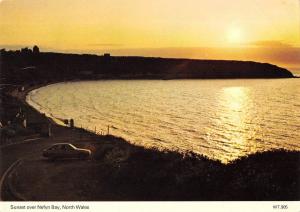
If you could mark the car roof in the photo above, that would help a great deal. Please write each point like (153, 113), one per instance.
(59, 144)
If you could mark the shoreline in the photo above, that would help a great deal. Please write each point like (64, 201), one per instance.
(22, 97)
(59, 119)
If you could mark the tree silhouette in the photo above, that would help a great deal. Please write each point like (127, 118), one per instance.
(36, 49)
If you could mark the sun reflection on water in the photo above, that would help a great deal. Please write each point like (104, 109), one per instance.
(233, 117)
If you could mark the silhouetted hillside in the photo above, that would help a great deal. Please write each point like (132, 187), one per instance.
(22, 66)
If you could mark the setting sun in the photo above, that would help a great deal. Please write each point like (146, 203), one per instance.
(235, 35)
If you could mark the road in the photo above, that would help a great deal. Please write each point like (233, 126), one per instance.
(12, 153)
(33, 149)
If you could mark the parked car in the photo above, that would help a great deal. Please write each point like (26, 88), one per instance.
(66, 150)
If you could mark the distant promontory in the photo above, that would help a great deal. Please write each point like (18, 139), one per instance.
(26, 64)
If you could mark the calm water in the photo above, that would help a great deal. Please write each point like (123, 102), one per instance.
(222, 119)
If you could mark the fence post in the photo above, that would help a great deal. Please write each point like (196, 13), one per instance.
(72, 123)
(49, 130)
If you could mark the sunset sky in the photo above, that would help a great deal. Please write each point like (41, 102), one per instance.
(263, 30)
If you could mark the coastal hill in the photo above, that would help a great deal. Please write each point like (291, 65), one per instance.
(24, 65)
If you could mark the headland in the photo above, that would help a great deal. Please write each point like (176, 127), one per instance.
(26, 65)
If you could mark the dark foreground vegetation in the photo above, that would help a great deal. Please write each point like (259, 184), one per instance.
(119, 170)
(154, 175)
(158, 175)
(26, 65)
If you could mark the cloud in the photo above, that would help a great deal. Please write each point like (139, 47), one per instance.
(270, 44)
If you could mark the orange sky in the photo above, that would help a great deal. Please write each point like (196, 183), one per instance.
(264, 30)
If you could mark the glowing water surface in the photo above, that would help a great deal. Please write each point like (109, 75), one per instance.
(222, 119)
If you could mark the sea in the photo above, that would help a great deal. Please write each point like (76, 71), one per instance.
(221, 119)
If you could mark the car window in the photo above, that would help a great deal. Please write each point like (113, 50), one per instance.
(63, 147)
(53, 148)
(66, 147)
